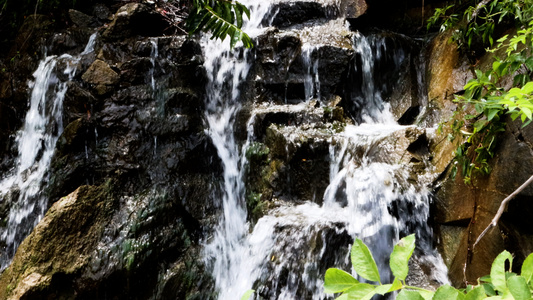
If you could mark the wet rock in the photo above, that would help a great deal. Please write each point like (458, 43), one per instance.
(102, 12)
(352, 9)
(80, 19)
(78, 103)
(101, 76)
(450, 238)
(476, 205)
(131, 19)
(287, 13)
(50, 250)
(288, 73)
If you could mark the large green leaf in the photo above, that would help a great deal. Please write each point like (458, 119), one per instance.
(497, 271)
(478, 293)
(446, 292)
(399, 258)
(409, 295)
(361, 291)
(519, 288)
(363, 262)
(336, 281)
(383, 289)
(527, 268)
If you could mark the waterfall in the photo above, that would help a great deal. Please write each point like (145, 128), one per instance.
(36, 143)
(286, 253)
(226, 70)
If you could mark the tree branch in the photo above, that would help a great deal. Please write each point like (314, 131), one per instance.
(503, 206)
(479, 7)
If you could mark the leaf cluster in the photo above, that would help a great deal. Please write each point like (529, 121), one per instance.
(470, 22)
(490, 102)
(499, 285)
(222, 18)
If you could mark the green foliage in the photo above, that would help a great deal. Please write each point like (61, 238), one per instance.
(472, 22)
(363, 261)
(501, 284)
(222, 18)
(485, 102)
(400, 256)
(247, 294)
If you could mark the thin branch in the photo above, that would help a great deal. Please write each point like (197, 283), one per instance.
(479, 7)
(502, 208)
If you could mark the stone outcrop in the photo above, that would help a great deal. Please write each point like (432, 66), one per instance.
(464, 211)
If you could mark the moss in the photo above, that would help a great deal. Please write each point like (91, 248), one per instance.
(257, 152)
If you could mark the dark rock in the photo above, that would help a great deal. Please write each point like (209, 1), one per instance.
(80, 19)
(102, 12)
(287, 13)
(131, 19)
(286, 72)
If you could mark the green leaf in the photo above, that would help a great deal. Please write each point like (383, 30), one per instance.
(489, 289)
(527, 112)
(343, 297)
(427, 295)
(519, 288)
(363, 262)
(383, 289)
(247, 294)
(396, 285)
(400, 256)
(446, 292)
(409, 295)
(527, 268)
(529, 63)
(497, 271)
(492, 113)
(336, 281)
(477, 293)
(360, 291)
(223, 20)
(528, 88)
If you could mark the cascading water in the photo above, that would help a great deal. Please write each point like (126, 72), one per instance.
(226, 71)
(36, 143)
(288, 251)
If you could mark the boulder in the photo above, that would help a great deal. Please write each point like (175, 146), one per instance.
(80, 19)
(293, 12)
(132, 19)
(353, 9)
(101, 76)
(60, 245)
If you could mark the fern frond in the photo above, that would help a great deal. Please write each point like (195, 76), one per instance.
(223, 19)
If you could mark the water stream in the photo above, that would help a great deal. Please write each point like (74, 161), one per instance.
(286, 253)
(36, 143)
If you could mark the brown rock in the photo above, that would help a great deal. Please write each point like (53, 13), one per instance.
(101, 76)
(60, 244)
(352, 9)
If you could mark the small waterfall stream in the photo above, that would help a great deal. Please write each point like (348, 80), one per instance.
(287, 252)
(36, 143)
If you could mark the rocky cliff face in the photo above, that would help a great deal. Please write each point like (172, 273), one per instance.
(133, 182)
